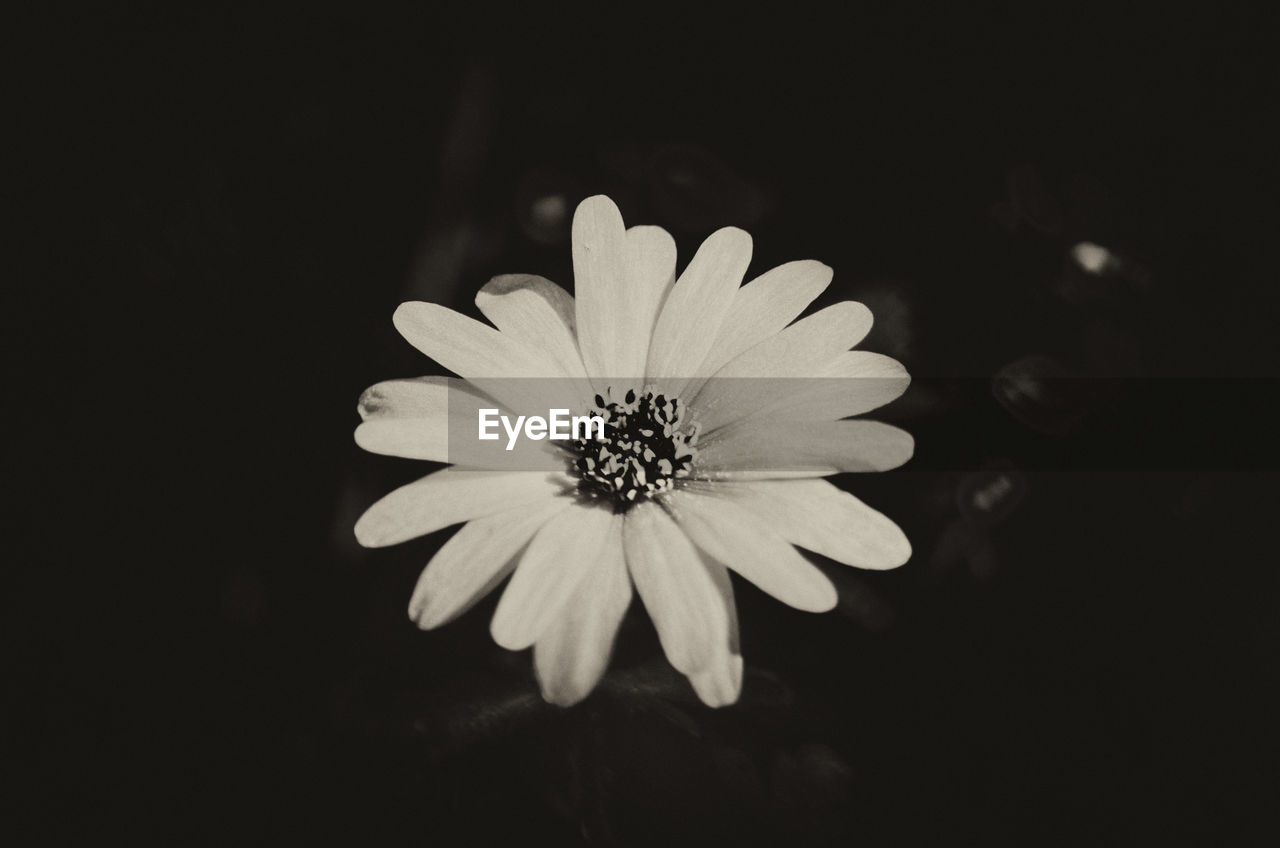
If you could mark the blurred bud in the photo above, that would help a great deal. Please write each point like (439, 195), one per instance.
(696, 192)
(1042, 394)
(1092, 272)
(544, 204)
(1094, 259)
(986, 498)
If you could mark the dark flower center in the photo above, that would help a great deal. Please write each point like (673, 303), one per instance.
(645, 448)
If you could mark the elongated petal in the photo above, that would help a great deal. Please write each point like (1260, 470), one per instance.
(550, 571)
(571, 656)
(806, 347)
(420, 397)
(696, 307)
(819, 517)
(498, 364)
(719, 683)
(857, 381)
(651, 272)
(764, 306)
(411, 418)
(766, 449)
(469, 348)
(450, 497)
(537, 312)
(679, 593)
(599, 278)
(803, 350)
(475, 560)
(734, 536)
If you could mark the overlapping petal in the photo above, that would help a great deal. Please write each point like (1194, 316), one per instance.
(764, 306)
(679, 593)
(571, 655)
(695, 309)
(719, 682)
(475, 560)
(819, 517)
(450, 497)
(768, 449)
(803, 349)
(537, 312)
(572, 561)
(729, 533)
(855, 382)
(550, 571)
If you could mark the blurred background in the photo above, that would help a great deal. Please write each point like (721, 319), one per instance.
(1062, 220)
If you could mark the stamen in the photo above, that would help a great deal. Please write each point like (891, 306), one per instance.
(645, 448)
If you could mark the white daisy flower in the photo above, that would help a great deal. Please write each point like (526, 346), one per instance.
(698, 473)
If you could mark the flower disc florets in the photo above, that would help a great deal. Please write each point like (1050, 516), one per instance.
(645, 447)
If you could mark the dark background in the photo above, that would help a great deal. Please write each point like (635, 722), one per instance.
(218, 212)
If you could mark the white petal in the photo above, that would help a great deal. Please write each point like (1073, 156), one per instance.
(764, 306)
(677, 590)
(536, 311)
(651, 272)
(769, 448)
(550, 571)
(499, 364)
(741, 541)
(857, 381)
(696, 307)
(448, 497)
(803, 350)
(411, 418)
(806, 347)
(571, 656)
(599, 275)
(421, 397)
(475, 560)
(719, 683)
(821, 518)
(469, 348)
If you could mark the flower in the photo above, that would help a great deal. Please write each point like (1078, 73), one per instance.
(699, 473)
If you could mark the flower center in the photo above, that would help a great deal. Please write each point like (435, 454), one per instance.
(645, 448)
